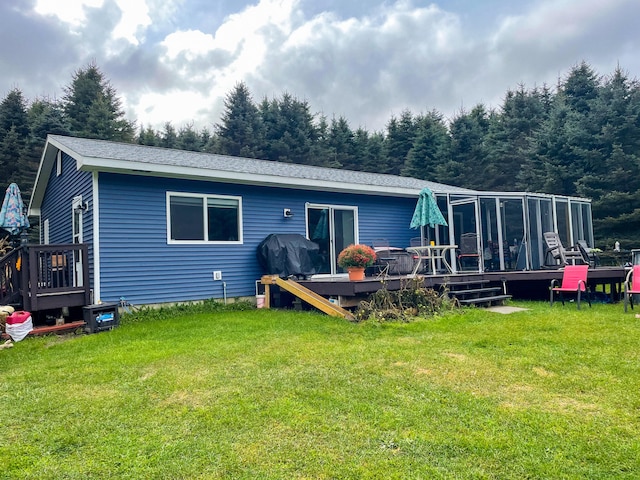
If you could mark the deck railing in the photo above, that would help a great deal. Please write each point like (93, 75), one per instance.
(42, 277)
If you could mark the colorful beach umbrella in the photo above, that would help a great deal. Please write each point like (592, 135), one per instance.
(427, 212)
(13, 217)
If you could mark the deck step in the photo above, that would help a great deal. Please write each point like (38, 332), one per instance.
(474, 291)
(484, 300)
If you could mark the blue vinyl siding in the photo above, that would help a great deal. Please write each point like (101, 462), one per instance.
(137, 262)
(56, 205)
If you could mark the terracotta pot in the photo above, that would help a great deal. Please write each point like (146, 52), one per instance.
(356, 273)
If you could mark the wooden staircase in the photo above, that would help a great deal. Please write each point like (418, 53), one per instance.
(479, 293)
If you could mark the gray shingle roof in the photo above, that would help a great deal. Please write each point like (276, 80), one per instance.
(106, 154)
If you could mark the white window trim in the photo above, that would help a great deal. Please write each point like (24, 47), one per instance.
(59, 163)
(170, 241)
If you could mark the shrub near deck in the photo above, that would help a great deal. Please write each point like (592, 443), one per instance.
(274, 394)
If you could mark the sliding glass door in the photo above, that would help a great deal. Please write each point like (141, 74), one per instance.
(333, 228)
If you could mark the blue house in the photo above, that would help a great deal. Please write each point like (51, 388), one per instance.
(159, 222)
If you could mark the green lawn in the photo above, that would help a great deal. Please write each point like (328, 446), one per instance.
(549, 393)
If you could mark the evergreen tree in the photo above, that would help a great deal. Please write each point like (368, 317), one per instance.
(321, 152)
(148, 136)
(289, 130)
(46, 117)
(14, 129)
(510, 137)
(93, 109)
(341, 144)
(400, 136)
(169, 137)
(240, 131)
(467, 157)
(13, 114)
(189, 139)
(11, 147)
(369, 151)
(431, 147)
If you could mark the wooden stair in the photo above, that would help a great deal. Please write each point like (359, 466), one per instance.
(305, 294)
(480, 294)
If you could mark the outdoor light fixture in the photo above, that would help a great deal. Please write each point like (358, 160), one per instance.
(82, 207)
(288, 213)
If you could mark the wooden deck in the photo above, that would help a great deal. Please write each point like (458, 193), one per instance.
(524, 285)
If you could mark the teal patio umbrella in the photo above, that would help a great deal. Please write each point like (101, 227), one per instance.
(13, 217)
(427, 212)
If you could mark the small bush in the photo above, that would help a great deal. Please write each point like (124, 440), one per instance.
(411, 301)
(147, 313)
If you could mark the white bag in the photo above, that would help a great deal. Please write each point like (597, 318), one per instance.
(18, 331)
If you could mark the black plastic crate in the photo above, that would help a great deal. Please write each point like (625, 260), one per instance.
(101, 317)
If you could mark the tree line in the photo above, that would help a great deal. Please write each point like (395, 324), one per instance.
(581, 138)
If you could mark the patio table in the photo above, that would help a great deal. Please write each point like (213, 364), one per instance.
(432, 253)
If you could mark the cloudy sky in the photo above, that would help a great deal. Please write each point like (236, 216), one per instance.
(367, 60)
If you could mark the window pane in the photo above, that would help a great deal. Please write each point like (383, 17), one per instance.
(187, 221)
(222, 215)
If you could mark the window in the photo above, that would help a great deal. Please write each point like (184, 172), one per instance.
(204, 218)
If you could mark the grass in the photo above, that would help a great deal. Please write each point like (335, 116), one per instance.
(544, 393)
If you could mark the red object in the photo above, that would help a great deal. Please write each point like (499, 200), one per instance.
(18, 317)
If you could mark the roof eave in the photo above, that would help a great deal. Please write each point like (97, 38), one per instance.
(141, 168)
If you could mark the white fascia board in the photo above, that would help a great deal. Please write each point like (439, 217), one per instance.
(42, 177)
(141, 168)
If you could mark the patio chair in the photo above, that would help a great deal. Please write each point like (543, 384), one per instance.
(384, 259)
(631, 286)
(468, 249)
(574, 280)
(416, 242)
(588, 253)
(561, 255)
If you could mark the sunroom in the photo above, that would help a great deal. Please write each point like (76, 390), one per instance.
(504, 231)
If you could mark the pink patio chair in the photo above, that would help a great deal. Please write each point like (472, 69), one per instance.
(574, 279)
(631, 286)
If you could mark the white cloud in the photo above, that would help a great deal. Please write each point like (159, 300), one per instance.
(135, 17)
(176, 60)
(69, 11)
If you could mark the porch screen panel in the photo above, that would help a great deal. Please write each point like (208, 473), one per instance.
(562, 211)
(587, 223)
(512, 210)
(490, 234)
(576, 222)
(441, 233)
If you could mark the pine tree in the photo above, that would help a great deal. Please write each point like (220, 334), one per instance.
(468, 133)
(169, 137)
(240, 131)
(189, 139)
(13, 114)
(399, 140)
(93, 109)
(431, 147)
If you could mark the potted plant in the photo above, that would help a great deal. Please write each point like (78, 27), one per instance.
(355, 258)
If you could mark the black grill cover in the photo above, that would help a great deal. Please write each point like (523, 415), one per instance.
(286, 254)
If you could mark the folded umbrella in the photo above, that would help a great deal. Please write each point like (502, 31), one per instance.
(427, 212)
(13, 217)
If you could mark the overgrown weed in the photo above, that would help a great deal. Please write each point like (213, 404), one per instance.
(411, 301)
